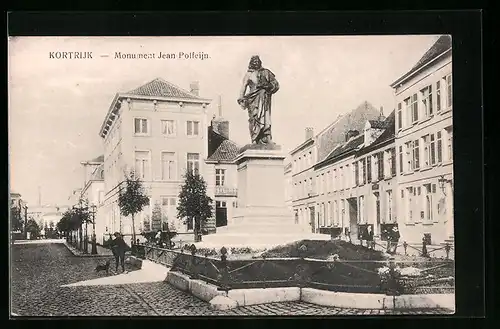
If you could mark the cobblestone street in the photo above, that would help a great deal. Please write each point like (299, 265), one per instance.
(39, 270)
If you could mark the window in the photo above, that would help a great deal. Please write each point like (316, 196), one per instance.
(400, 116)
(347, 176)
(416, 155)
(142, 164)
(409, 204)
(335, 179)
(426, 144)
(409, 158)
(101, 197)
(389, 206)
(341, 178)
(414, 108)
(438, 96)
(356, 173)
(335, 215)
(393, 162)
(193, 162)
(369, 168)
(439, 144)
(220, 204)
(220, 175)
(361, 209)
(380, 165)
(311, 185)
(428, 202)
(449, 143)
(427, 100)
(449, 92)
(168, 127)
(364, 170)
(433, 149)
(141, 126)
(411, 109)
(168, 171)
(401, 159)
(169, 211)
(193, 128)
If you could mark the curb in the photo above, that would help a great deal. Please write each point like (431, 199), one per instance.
(245, 297)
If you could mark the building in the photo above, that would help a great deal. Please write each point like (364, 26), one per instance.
(289, 187)
(47, 215)
(424, 145)
(375, 176)
(157, 130)
(336, 194)
(93, 191)
(221, 173)
(314, 150)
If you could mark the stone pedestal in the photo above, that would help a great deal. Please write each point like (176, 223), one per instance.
(262, 217)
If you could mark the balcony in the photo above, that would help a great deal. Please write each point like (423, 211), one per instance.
(226, 191)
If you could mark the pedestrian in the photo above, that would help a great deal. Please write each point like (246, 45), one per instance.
(158, 238)
(369, 237)
(119, 247)
(394, 239)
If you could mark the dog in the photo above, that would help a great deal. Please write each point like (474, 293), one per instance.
(103, 267)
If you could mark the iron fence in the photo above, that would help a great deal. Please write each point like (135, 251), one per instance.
(408, 276)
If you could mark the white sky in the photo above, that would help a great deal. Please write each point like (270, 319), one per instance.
(56, 107)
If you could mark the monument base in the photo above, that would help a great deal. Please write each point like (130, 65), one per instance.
(262, 219)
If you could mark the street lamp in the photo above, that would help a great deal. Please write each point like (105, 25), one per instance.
(94, 246)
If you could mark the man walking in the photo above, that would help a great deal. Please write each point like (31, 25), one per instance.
(119, 247)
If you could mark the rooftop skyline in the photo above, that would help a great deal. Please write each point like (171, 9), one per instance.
(56, 107)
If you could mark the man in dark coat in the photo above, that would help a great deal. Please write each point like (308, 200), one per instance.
(119, 247)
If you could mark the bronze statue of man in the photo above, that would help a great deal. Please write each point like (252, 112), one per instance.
(255, 97)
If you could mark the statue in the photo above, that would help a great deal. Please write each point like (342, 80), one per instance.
(261, 84)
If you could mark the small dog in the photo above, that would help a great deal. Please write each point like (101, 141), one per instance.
(103, 267)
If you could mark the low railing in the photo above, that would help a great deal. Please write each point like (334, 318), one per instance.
(363, 276)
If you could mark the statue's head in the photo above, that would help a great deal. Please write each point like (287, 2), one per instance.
(255, 63)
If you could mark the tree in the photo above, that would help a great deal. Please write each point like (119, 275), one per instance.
(157, 219)
(16, 219)
(194, 203)
(132, 199)
(33, 228)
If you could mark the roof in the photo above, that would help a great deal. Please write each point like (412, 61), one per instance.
(441, 45)
(98, 159)
(227, 151)
(378, 124)
(342, 149)
(161, 88)
(387, 135)
(221, 148)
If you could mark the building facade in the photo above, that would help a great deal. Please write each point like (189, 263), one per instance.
(93, 191)
(308, 199)
(157, 130)
(221, 173)
(424, 145)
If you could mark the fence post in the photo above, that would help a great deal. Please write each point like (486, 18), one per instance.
(224, 273)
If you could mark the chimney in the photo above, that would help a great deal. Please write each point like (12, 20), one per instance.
(195, 88)
(309, 133)
(382, 117)
(351, 133)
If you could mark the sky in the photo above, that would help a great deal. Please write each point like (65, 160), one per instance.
(57, 106)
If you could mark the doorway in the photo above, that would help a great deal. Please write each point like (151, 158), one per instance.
(220, 213)
(352, 204)
(312, 217)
